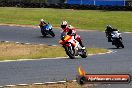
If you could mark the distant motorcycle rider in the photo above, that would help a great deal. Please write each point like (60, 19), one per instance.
(42, 23)
(108, 32)
(70, 30)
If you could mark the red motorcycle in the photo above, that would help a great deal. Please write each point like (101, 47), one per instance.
(72, 47)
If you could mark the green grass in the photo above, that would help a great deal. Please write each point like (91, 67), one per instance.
(82, 19)
(96, 50)
(12, 51)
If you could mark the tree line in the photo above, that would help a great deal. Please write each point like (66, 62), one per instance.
(34, 1)
(29, 3)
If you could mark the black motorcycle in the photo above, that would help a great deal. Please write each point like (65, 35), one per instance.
(47, 30)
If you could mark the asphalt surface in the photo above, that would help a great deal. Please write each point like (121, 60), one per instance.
(62, 69)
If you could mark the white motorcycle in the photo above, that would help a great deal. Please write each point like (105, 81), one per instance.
(117, 39)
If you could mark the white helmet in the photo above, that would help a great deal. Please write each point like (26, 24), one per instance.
(64, 23)
(42, 20)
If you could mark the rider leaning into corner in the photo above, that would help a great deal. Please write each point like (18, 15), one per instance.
(42, 23)
(108, 32)
(70, 30)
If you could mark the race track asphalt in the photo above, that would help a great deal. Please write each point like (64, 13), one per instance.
(18, 72)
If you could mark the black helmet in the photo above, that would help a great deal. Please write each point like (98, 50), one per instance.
(109, 26)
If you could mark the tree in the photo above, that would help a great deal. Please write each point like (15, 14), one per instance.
(62, 1)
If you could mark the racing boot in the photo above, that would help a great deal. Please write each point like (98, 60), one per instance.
(80, 42)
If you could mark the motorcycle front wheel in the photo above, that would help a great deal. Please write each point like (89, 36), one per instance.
(121, 44)
(52, 33)
(70, 52)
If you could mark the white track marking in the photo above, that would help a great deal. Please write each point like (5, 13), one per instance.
(44, 83)
(38, 83)
(10, 85)
(22, 84)
(128, 32)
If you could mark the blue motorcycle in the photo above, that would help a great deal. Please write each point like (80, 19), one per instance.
(47, 30)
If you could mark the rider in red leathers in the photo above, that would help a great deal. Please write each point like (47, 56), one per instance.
(68, 29)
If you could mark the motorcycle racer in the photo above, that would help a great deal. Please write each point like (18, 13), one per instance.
(42, 23)
(70, 30)
(46, 28)
(108, 32)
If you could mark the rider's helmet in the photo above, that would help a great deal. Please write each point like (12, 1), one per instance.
(109, 27)
(64, 24)
(42, 20)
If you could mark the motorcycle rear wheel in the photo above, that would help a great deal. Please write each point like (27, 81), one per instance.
(43, 33)
(84, 55)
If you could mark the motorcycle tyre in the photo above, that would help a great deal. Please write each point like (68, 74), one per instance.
(68, 53)
(84, 55)
(52, 33)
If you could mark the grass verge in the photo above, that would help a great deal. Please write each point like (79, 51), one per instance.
(82, 19)
(13, 51)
